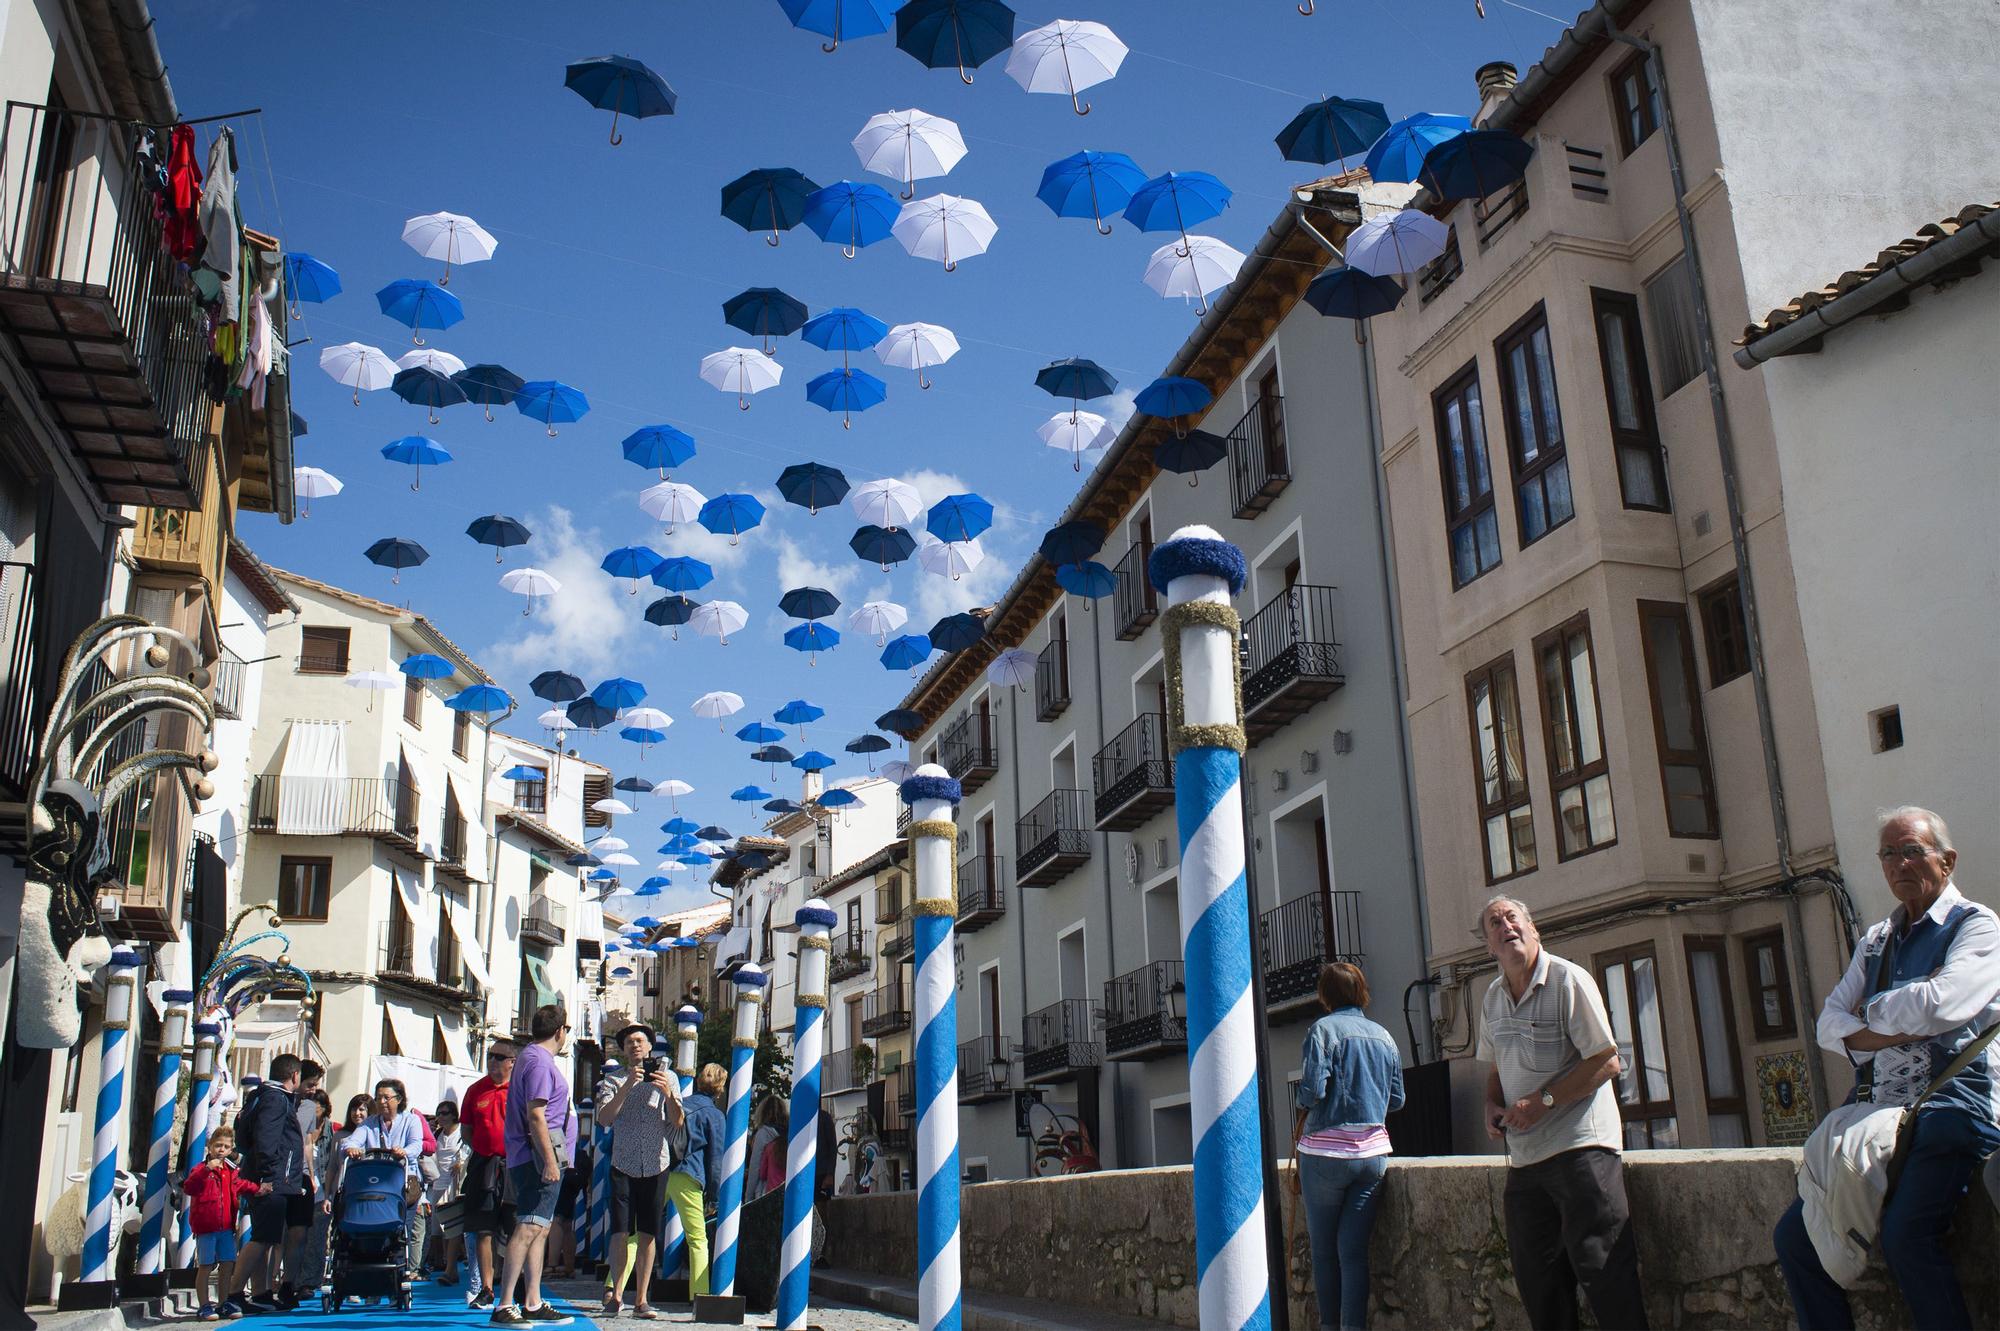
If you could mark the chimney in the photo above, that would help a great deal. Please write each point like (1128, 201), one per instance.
(1495, 81)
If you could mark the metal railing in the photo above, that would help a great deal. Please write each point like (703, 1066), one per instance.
(886, 1011)
(1494, 214)
(545, 920)
(985, 1067)
(841, 1071)
(1134, 763)
(1134, 600)
(982, 891)
(452, 846)
(1260, 459)
(1440, 272)
(1055, 830)
(850, 956)
(1297, 938)
(902, 819)
(333, 806)
(1052, 680)
(20, 690)
(967, 748)
(889, 900)
(901, 939)
(1146, 1007)
(230, 674)
(1291, 638)
(322, 660)
(1057, 1038)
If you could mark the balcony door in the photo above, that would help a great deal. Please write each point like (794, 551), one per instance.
(989, 1005)
(982, 846)
(1073, 962)
(1271, 421)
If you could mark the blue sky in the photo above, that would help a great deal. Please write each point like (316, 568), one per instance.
(613, 265)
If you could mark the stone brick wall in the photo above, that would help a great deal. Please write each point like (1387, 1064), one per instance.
(1123, 1242)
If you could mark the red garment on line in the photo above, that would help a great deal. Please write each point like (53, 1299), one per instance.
(183, 201)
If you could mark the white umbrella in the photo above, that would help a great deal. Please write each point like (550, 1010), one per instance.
(1013, 668)
(913, 346)
(375, 681)
(530, 583)
(669, 867)
(742, 371)
(718, 619)
(604, 845)
(310, 483)
(358, 366)
(886, 503)
(944, 227)
(1076, 433)
(880, 618)
(671, 502)
(1202, 265)
(673, 788)
(896, 770)
(908, 145)
(555, 719)
(430, 358)
(1066, 56)
(450, 237)
(1398, 242)
(646, 718)
(714, 706)
(618, 857)
(706, 848)
(953, 559)
(610, 805)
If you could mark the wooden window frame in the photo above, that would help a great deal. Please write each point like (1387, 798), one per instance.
(1559, 781)
(1473, 411)
(288, 863)
(1646, 436)
(1738, 1104)
(1727, 652)
(1788, 1027)
(1633, 72)
(1642, 1111)
(413, 702)
(1507, 803)
(461, 734)
(1697, 757)
(308, 664)
(1549, 454)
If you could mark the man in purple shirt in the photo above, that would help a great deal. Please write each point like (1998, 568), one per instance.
(541, 1139)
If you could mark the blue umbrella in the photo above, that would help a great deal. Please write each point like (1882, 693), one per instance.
(732, 513)
(1336, 128)
(583, 859)
(955, 633)
(868, 744)
(671, 611)
(771, 753)
(679, 842)
(307, 278)
(1089, 579)
(809, 603)
(490, 385)
(1077, 379)
(1349, 293)
(757, 732)
(556, 686)
(1172, 397)
(812, 638)
(748, 794)
(878, 545)
(498, 531)
(694, 859)
(767, 312)
(1187, 454)
(846, 391)
(798, 712)
(677, 825)
(812, 485)
(426, 665)
(395, 552)
(655, 882)
(484, 699)
(1475, 164)
(642, 736)
(418, 452)
(902, 720)
(633, 562)
(1399, 154)
(965, 33)
(622, 86)
(906, 652)
(771, 198)
(959, 517)
(421, 386)
(418, 303)
(590, 714)
(837, 798)
(523, 772)
(841, 18)
(812, 760)
(618, 693)
(638, 785)
(851, 214)
(549, 401)
(844, 328)
(298, 426)
(658, 448)
(1090, 184)
(682, 573)
(783, 806)
(1072, 542)
(1177, 201)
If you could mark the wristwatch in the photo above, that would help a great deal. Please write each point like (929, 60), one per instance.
(1548, 1100)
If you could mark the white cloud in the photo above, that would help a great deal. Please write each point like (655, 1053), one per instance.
(797, 568)
(582, 627)
(937, 597)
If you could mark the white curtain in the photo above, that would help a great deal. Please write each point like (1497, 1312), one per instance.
(413, 1031)
(312, 781)
(429, 1084)
(453, 1031)
(423, 922)
(469, 950)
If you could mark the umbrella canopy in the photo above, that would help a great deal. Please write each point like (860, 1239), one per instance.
(490, 385)
(1348, 293)
(908, 146)
(677, 826)
(450, 237)
(310, 483)
(913, 346)
(642, 736)
(1475, 164)
(880, 545)
(1177, 201)
(797, 712)
(867, 744)
(715, 706)
(556, 686)
(1187, 454)
(809, 603)
(675, 789)
(672, 502)
(549, 401)
(555, 719)
(622, 86)
(945, 228)
(955, 633)
(749, 794)
(959, 517)
(843, 328)
(878, 619)
(1398, 242)
(965, 33)
(765, 312)
(395, 552)
(731, 513)
(415, 450)
(499, 531)
(949, 559)
(759, 732)
(358, 366)
(771, 198)
(649, 718)
(782, 806)
(307, 278)
(657, 448)
(1088, 579)
(840, 19)
(590, 714)
(618, 693)
(1065, 57)
(422, 386)
(897, 770)
(418, 303)
(1072, 542)
(523, 772)
(742, 371)
(846, 391)
(812, 760)
(632, 562)
(718, 619)
(682, 573)
(1172, 396)
(1399, 154)
(1090, 184)
(1075, 434)
(427, 665)
(671, 611)
(531, 583)
(812, 485)
(1075, 378)
(851, 214)
(838, 799)
(430, 358)
(886, 503)
(771, 753)
(1332, 130)
(1195, 267)
(902, 720)
(1013, 668)
(481, 699)
(907, 652)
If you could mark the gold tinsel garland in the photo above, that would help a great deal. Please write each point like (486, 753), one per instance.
(948, 830)
(1180, 735)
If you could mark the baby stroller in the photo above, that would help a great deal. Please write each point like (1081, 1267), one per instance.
(368, 1240)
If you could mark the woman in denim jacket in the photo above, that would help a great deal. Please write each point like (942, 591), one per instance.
(1351, 1078)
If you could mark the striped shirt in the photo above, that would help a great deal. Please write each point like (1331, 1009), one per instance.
(1346, 1143)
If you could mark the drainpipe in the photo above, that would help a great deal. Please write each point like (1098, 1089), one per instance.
(1020, 897)
(1725, 445)
(1104, 856)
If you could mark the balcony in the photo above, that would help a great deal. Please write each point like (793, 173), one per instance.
(1296, 939)
(893, 1133)
(982, 892)
(840, 1071)
(193, 542)
(969, 752)
(1493, 215)
(1260, 462)
(899, 942)
(850, 956)
(380, 807)
(1052, 680)
(1134, 601)
(453, 848)
(1145, 1013)
(889, 899)
(1133, 776)
(1440, 272)
(904, 1080)
(1051, 839)
(902, 820)
(985, 1069)
(104, 317)
(545, 921)
(230, 672)
(395, 964)
(1056, 1042)
(21, 694)
(886, 1011)
(1291, 658)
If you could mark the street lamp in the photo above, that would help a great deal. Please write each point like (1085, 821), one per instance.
(997, 1068)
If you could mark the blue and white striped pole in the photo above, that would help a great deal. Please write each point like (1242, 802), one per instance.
(750, 982)
(121, 996)
(815, 920)
(933, 799)
(154, 1214)
(207, 1041)
(1199, 572)
(598, 1240)
(673, 1239)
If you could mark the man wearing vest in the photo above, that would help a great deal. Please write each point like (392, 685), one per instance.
(1924, 984)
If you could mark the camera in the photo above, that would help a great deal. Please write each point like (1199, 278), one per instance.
(651, 1066)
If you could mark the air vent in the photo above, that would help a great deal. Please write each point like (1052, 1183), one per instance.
(1697, 864)
(1160, 851)
(1702, 525)
(1281, 780)
(1309, 761)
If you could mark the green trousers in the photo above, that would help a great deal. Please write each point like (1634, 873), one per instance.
(685, 1192)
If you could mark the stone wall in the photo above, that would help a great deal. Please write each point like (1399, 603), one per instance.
(1123, 1242)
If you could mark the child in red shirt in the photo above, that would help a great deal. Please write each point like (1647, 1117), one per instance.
(214, 1190)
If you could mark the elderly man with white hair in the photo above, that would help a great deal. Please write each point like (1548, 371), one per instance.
(1922, 988)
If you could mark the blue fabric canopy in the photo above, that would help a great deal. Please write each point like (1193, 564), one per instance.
(622, 86)
(771, 198)
(1090, 184)
(851, 214)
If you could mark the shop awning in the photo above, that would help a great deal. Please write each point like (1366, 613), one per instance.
(412, 1030)
(423, 922)
(452, 1029)
(469, 951)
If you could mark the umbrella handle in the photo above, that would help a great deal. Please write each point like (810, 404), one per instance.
(1096, 208)
(1307, 8)
(296, 312)
(1193, 481)
(418, 483)
(1102, 229)
(357, 395)
(552, 431)
(772, 239)
(496, 554)
(445, 281)
(616, 137)
(489, 411)
(1082, 108)
(417, 336)
(958, 48)
(921, 381)
(836, 31)
(434, 416)
(846, 423)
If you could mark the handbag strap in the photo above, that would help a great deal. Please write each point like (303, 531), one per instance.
(1959, 1064)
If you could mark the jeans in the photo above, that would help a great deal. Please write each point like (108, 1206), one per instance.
(1568, 1224)
(685, 1192)
(1340, 1198)
(1944, 1150)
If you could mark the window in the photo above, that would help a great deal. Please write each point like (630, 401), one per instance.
(1715, 1029)
(322, 651)
(532, 795)
(304, 886)
(1635, 97)
(1271, 419)
(1508, 819)
(1723, 628)
(1770, 980)
(413, 701)
(1670, 310)
(449, 971)
(1885, 729)
(1472, 530)
(1579, 776)
(461, 733)
(1677, 724)
(1635, 433)
(1534, 427)
(1631, 985)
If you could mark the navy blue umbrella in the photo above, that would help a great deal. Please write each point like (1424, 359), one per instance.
(298, 426)
(1172, 397)
(490, 385)
(394, 552)
(809, 603)
(1077, 379)
(878, 545)
(1090, 580)
(1475, 164)
(671, 611)
(868, 744)
(422, 386)
(1349, 293)
(1072, 542)
(812, 485)
(771, 198)
(772, 754)
(965, 33)
(590, 714)
(1186, 454)
(901, 720)
(638, 785)
(1090, 184)
(783, 806)
(1334, 129)
(498, 531)
(955, 633)
(658, 448)
(622, 86)
(556, 686)
(713, 833)
(766, 312)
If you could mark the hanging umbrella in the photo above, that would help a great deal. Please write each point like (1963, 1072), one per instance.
(622, 86)
(1013, 668)
(556, 686)
(530, 583)
(1399, 154)
(850, 214)
(897, 770)
(394, 552)
(843, 328)
(757, 732)
(952, 559)
(427, 665)
(310, 483)
(732, 513)
(1077, 379)
(886, 503)
(677, 826)
(812, 760)
(771, 198)
(1195, 267)
(523, 772)
(812, 485)
(489, 385)
(682, 573)
(642, 736)
(590, 714)
(422, 386)
(1090, 184)
(584, 860)
(604, 845)
(657, 448)
(846, 391)
(375, 681)
(902, 720)
(307, 278)
(555, 719)
(870, 745)
(673, 789)
(879, 545)
(840, 18)
(965, 33)
(1072, 542)
(449, 237)
(430, 358)
(715, 706)
(945, 228)
(1089, 579)
(358, 366)
(955, 633)
(415, 450)
(798, 712)
(638, 785)
(913, 346)
(909, 146)
(480, 699)
(1177, 201)
(771, 753)
(647, 718)
(812, 639)
(1348, 293)
(618, 693)
(809, 603)
(549, 401)
(1334, 129)
(1065, 57)
(672, 611)
(1475, 164)
(1398, 242)
(418, 303)
(765, 312)
(907, 652)
(719, 619)
(671, 502)
(782, 806)
(959, 517)
(1075, 434)
(298, 425)
(1172, 397)
(878, 619)
(632, 562)
(742, 371)
(1187, 454)
(749, 794)
(838, 799)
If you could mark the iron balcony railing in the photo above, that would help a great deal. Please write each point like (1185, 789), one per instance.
(1057, 1040)
(901, 940)
(1051, 839)
(902, 819)
(968, 750)
(334, 806)
(850, 956)
(1291, 656)
(20, 700)
(1296, 939)
(1052, 680)
(230, 673)
(453, 844)
(889, 900)
(1134, 600)
(905, 1077)
(396, 957)
(545, 921)
(1145, 1012)
(982, 891)
(1132, 775)
(985, 1069)
(886, 1011)
(841, 1071)
(1260, 460)
(1440, 272)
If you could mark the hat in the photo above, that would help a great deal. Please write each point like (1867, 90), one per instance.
(618, 1040)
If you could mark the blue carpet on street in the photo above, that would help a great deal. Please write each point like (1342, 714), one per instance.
(436, 1307)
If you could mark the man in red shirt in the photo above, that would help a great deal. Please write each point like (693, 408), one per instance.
(482, 1112)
